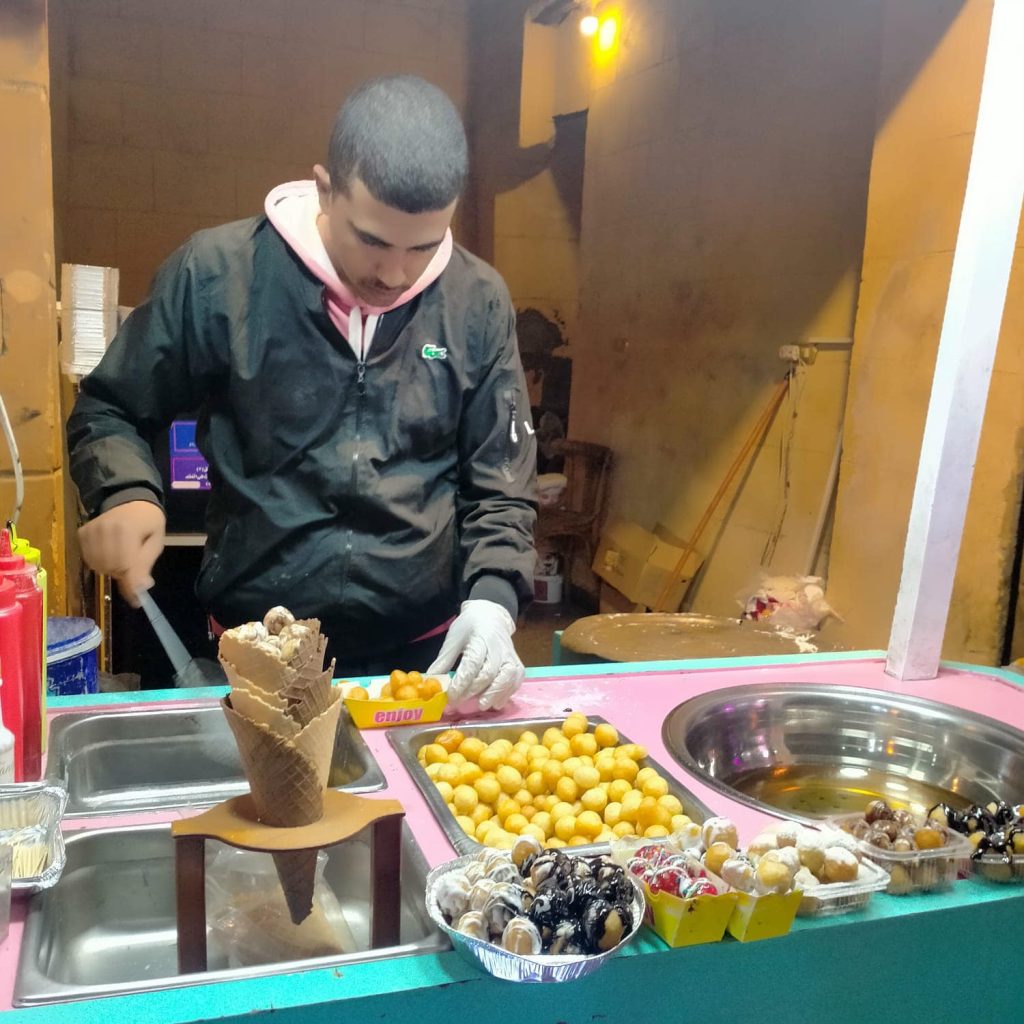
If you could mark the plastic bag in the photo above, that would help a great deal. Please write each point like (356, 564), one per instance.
(248, 918)
(550, 488)
(789, 602)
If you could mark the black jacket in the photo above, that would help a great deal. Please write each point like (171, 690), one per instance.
(373, 496)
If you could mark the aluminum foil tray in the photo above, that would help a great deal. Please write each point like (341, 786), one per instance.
(512, 966)
(407, 743)
(30, 816)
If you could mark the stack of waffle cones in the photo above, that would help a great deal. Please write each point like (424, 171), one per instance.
(283, 712)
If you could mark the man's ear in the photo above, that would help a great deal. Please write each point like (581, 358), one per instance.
(323, 186)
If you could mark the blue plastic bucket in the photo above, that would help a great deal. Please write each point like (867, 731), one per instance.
(71, 666)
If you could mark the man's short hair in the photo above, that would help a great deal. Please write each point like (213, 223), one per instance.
(403, 138)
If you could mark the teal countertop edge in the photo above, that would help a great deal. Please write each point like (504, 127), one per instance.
(926, 932)
(974, 920)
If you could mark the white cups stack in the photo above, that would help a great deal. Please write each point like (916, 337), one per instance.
(89, 316)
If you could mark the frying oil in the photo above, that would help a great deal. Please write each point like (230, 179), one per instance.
(820, 790)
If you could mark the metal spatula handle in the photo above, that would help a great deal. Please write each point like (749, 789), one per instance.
(176, 651)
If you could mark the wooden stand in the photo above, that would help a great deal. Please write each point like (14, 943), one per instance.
(234, 823)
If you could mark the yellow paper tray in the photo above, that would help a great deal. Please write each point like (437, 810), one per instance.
(387, 714)
(763, 917)
(682, 922)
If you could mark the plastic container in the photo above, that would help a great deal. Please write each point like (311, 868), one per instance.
(833, 898)
(994, 868)
(12, 695)
(547, 589)
(915, 870)
(23, 575)
(71, 665)
(376, 713)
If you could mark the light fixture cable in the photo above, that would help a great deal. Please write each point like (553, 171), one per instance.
(12, 446)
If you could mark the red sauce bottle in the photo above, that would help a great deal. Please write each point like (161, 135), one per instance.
(22, 575)
(11, 693)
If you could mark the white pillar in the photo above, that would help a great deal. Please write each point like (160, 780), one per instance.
(967, 346)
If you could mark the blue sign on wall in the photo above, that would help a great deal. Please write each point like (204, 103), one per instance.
(189, 470)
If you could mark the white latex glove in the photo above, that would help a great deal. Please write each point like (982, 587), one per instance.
(489, 669)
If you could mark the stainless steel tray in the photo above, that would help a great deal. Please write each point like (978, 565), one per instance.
(146, 759)
(407, 743)
(109, 927)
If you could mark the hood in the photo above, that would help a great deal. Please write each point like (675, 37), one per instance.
(292, 209)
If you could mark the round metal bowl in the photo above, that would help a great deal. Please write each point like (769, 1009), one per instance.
(511, 966)
(814, 751)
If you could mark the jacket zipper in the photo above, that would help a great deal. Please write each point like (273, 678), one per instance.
(512, 438)
(360, 393)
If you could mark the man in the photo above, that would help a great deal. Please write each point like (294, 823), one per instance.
(363, 410)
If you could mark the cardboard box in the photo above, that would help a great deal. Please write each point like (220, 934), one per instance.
(637, 562)
(612, 602)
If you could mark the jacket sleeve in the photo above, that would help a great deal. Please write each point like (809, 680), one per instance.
(153, 370)
(496, 502)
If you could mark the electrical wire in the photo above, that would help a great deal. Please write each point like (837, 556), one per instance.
(797, 382)
(19, 476)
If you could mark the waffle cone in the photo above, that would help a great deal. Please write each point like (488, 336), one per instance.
(296, 870)
(253, 705)
(238, 681)
(316, 741)
(285, 784)
(260, 668)
(306, 701)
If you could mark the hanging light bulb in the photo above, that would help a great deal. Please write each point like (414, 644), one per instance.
(588, 24)
(609, 30)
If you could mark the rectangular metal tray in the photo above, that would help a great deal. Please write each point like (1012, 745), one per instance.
(119, 761)
(109, 927)
(407, 743)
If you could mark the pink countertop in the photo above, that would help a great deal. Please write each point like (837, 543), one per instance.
(637, 703)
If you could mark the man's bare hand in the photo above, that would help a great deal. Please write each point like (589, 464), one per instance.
(124, 543)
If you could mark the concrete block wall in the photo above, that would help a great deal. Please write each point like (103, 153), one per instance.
(918, 176)
(169, 117)
(728, 152)
(28, 324)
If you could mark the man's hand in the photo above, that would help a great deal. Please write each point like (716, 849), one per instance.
(124, 543)
(480, 639)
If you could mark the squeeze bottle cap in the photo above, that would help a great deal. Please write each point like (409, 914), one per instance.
(9, 561)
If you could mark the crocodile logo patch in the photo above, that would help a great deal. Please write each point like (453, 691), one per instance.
(434, 352)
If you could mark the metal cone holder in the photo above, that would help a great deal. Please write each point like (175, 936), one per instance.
(234, 823)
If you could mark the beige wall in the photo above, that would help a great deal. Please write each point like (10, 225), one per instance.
(28, 327)
(724, 196)
(171, 116)
(523, 169)
(918, 175)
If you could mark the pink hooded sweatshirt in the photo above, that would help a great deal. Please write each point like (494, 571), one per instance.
(293, 209)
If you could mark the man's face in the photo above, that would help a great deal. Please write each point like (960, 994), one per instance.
(378, 251)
